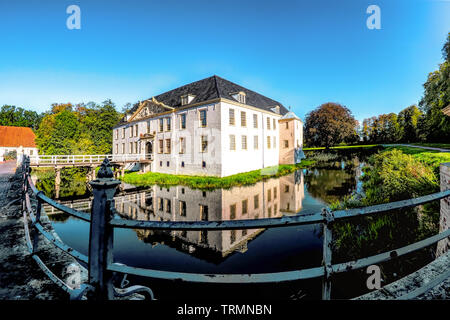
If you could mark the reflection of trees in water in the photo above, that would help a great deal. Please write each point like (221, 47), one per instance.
(73, 182)
(330, 185)
(335, 173)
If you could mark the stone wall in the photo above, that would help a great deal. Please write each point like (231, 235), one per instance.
(444, 222)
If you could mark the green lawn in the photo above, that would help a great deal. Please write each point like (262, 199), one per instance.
(211, 182)
(434, 145)
(344, 147)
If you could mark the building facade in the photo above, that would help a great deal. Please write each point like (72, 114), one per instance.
(17, 139)
(209, 127)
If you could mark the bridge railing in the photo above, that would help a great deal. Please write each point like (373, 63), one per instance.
(86, 159)
(102, 224)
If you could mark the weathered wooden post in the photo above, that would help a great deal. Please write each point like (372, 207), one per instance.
(327, 251)
(101, 233)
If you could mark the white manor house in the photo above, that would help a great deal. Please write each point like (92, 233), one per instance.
(210, 127)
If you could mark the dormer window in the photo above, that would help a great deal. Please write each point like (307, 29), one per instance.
(239, 96)
(186, 99)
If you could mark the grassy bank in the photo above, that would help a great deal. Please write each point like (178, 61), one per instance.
(430, 158)
(344, 147)
(211, 182)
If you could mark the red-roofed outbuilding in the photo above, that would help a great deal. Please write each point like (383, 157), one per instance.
(19, 139)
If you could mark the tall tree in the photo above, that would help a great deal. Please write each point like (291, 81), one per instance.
(19, 117)
(436, 126)
(330, 124)
(409, 119)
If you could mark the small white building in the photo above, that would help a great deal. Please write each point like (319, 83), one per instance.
(18, 139)
(209, 127)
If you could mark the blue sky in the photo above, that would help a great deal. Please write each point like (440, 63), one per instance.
(301, 53)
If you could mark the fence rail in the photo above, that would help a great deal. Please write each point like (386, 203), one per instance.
(102, 224)
(86, 159)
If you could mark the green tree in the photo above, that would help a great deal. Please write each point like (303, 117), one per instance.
(19, 117)
(330, 124)
(436, 126)
(409, 119)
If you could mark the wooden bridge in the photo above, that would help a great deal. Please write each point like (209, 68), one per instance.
(87, 160)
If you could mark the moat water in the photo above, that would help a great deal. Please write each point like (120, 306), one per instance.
(335, 176)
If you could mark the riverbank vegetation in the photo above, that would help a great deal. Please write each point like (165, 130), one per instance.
(396, 173)
(210, 182)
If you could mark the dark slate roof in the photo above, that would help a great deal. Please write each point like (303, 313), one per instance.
(212, 88)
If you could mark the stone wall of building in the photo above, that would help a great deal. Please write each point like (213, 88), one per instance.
(444, 223)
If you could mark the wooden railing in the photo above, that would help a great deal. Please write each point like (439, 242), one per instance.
(102, 224)
(86, 159)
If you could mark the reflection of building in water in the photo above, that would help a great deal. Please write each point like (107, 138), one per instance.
(268, 199)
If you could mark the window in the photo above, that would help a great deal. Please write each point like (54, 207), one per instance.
(184, 100)
(161, 146)
(183, 121)
(233, 212)
(160, 163)
(203, 118)
(255, 142)
(131, 147)
(268, 142)
(255, 121)
(286, 143)
(287, 125)
(256, 201)
(183, 208)
(160, 204)
(182, 145)
(203, 236)
(148, 126)
(274, 142)
(136, 147)
(269, 212)
(204, 194)
(168, 206)
(203, 212)
(168, 164)
(244, 206)
(275, 209)
(243, 119)
(168, 149)
(241, 97)
(274, 124)
(117, 148)
(136, 130)
(123, 148)
(117, 133)
(286, 189)
(232, 120)
(232, 236)
(232, 142)
(244, 142)
(275, 191)
(161, 125)
(203, 164)
(268, 123)
(131, 132)
(168, 124)
(204, 144)
(123, 133)
(182, 164)
(182, 190)
(269, 195)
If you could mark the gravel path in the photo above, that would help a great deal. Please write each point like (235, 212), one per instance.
(20, 276)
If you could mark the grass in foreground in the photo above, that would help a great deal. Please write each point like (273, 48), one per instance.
(211, 182)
